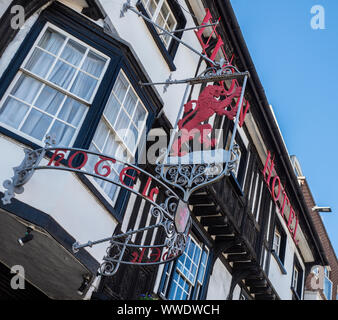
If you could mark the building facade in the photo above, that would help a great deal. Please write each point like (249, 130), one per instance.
(321, 283)
(75, 69)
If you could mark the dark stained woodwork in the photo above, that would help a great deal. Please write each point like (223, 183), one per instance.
(260, 290)
(209, 210)
(221, 230)
(214, 221)
(256, 283)
(237, 249)
(239, 257)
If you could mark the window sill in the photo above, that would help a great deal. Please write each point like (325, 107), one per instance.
(279, 262)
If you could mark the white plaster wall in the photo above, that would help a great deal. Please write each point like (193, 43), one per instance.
(3, 6)
(133, 29)
(219, 283)
(61, 195)
(281, 282)
(15, 44)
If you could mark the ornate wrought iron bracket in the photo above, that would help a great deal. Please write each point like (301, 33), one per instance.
(24, 171)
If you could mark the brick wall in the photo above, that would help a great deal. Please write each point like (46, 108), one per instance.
(326, 243)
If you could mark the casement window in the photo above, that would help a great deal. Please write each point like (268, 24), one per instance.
(279, 246)
(185, 278)
(277, 242)
(54, 88)
(168, 15)
(70, 85)
(160, 12)
(295, 276)
(120, 129)
(297, 280)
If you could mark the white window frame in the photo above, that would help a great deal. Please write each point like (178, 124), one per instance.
(277, 245)
(295, 276)
(157, 12)
(131, 154)
(196, 285)
(44, 82)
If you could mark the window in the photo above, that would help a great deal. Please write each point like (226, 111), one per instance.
(54, 88)
(295, 277)
(276, 242)
(169, 15)
(184, 279)
(119, 131)
(279, 246)
(159, 12)
(297, 280)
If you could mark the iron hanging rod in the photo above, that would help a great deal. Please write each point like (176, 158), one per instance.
(200, 79)
(192, 28)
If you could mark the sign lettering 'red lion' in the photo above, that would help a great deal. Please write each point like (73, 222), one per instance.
(205, 107)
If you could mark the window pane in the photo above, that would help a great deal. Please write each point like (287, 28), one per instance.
(94, 64)
(131, 137)
(40, 63)
(36, 124)
(26, 89)
(130, 102)
(63, 133)
(12, 112)
(101, 135)
(122, 124)
(49, 100)
(84, 86)
(139, 116)
(112, 109)
(121, 87)
(152, 7)
(171, 23)
(165, 10)
(160, 21)
(72, 112)
(52, 41)
(62, 74)
(73, 52)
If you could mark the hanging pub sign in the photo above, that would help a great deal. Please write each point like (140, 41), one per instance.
(172, 215)
(180, 170)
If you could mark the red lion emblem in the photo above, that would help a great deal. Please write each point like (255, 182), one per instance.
(206, 106)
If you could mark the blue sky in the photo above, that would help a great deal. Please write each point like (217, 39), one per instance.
(298, 67)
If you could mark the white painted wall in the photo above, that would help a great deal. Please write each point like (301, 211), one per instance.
(219, 283)
(133, 29)
(15, 44)
(3, 6)
(281, 282)
(61, 195)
